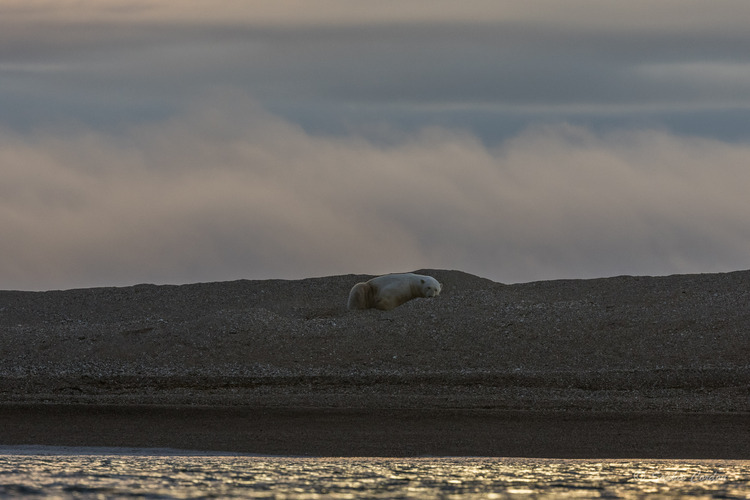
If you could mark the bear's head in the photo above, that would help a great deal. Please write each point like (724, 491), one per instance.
(430, 287)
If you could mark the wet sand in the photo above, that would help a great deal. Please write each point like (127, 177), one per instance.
(649, 367)
(396, 433)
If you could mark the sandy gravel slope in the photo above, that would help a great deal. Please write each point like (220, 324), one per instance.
(676, 343)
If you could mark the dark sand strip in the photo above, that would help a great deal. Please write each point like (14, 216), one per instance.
(401, 432)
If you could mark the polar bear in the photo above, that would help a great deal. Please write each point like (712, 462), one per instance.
(392, 290)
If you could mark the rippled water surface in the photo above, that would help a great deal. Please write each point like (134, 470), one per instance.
(159, 475)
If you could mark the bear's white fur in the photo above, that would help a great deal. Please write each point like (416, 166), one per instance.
(392, 290)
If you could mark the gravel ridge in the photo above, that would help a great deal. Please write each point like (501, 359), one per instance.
(671, 343)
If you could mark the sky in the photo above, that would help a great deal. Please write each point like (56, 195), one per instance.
(178, 142)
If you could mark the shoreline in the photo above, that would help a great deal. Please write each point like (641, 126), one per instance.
(352, 432)
(52, 450)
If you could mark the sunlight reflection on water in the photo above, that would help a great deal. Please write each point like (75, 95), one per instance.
(176, 476)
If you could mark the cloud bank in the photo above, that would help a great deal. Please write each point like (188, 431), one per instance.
(228, 190)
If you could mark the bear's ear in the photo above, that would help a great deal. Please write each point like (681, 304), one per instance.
(422, 281)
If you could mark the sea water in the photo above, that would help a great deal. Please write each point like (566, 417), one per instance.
(87, 473)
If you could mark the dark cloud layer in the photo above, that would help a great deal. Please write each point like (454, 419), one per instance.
(584, 58)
